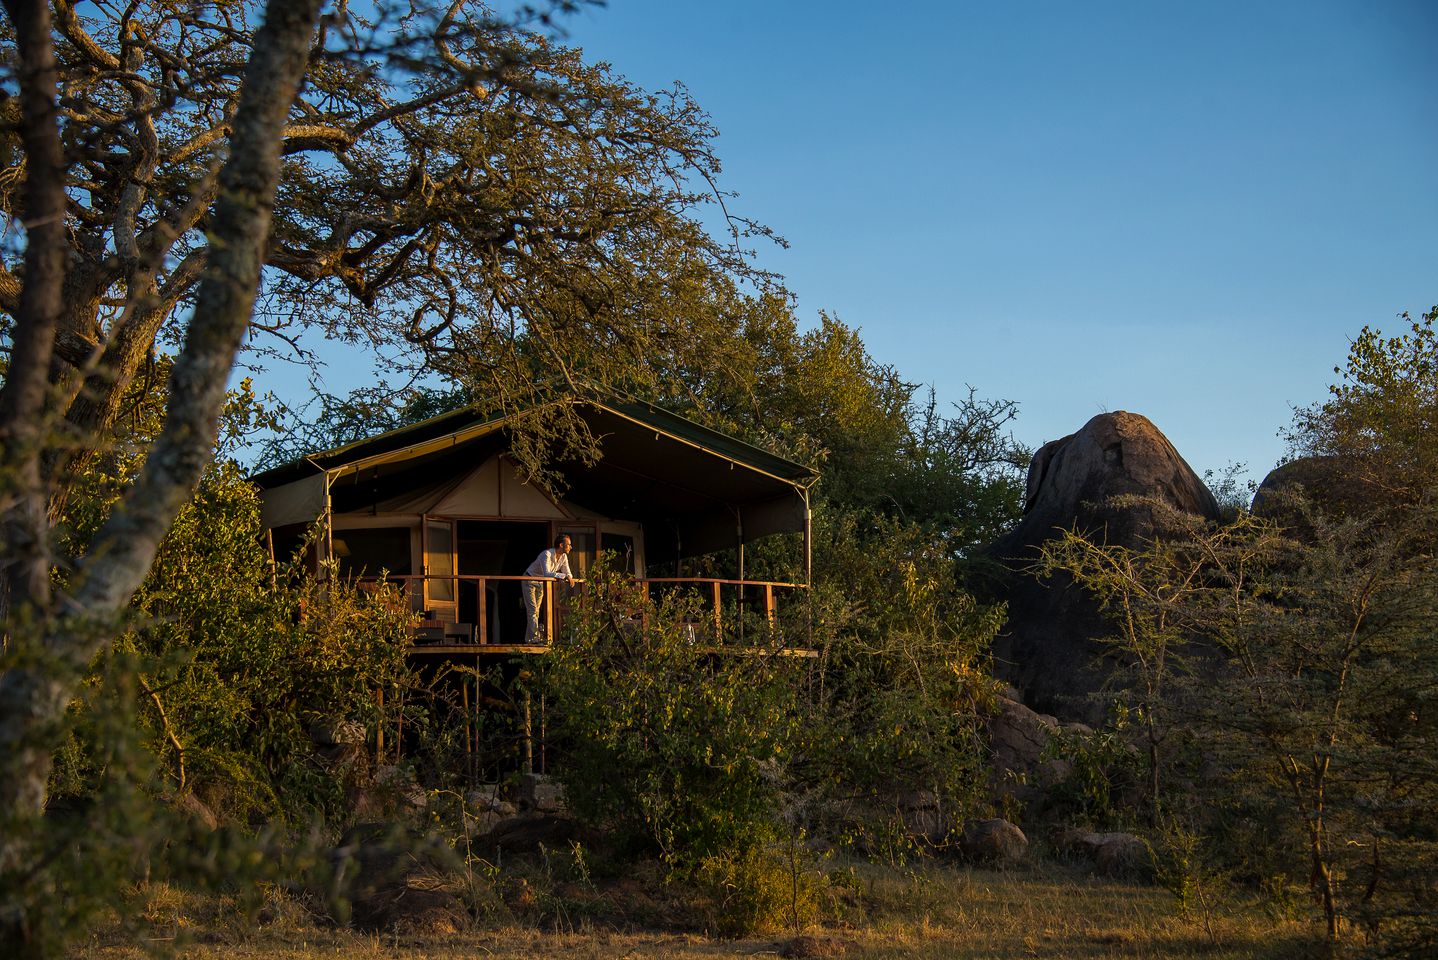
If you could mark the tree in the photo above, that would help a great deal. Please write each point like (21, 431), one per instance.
(169, 163)
(1147, 593)
(1312, 694)
(454, 194)
(1379, 426)
(820, 397)
(52, 635)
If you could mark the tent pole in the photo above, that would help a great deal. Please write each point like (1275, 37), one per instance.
(739, 607)
(809, 564)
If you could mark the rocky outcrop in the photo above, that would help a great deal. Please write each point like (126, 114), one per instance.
(1113, 479)
(1073, 481)
(1332, 484)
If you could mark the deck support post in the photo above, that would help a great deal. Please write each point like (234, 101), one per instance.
(718, 617)
(526, 763)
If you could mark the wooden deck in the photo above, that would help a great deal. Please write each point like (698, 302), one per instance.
(523, 649)
(727, 605)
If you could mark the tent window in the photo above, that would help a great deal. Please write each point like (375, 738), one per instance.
(366, 552)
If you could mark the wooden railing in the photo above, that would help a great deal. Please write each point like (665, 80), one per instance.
(710, 590)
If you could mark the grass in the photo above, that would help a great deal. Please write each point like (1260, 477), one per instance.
(933, 911)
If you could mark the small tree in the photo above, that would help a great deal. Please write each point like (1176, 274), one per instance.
(904, 689)
(1151, 595)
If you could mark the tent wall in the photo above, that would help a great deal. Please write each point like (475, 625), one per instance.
(302, 501)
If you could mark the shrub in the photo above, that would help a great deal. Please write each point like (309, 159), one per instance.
(678, 748)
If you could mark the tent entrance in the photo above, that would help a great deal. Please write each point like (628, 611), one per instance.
(496, 548)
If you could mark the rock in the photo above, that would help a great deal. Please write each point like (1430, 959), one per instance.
(391, 792)
(413, 906)
(1049, 648)
(1331, 483)
(1018, 737)
(525, 834)
(339, 742)
(923, 816)
(993, 841)
(1113, 455)
(330, 733)
(1112, 854)
(541, 794)
(394, 877)
(485, 797)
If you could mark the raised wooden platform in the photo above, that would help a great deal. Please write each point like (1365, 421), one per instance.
(512, 649)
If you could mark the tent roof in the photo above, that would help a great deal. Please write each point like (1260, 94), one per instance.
(656, 467)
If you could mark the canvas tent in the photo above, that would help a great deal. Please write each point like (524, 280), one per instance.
(440, 497)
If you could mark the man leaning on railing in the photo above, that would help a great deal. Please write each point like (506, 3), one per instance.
(551, 564)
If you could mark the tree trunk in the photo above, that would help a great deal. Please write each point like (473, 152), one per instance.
(57, 643)
(25, 587)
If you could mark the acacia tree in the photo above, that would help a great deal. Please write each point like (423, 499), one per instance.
(422, 178)
(454, 194)
(51, 634)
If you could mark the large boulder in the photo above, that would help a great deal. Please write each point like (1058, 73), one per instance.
(1112, 854)
(993, 841)
(392, 877)
(1115, 479)
(1334, 485)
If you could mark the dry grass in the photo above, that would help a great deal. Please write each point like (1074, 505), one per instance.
(875, 912)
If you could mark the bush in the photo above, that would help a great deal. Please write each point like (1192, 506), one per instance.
(905, 688)
(677, 748)
(232, 660)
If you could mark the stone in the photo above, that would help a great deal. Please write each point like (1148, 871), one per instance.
(392, 791)
(1019, 737)
(525, 834)
(541, 794)
(397, 878)
(923, 816)
(993, 841)
(330, 732)
(1050, 647)
(1112, 854)
(1335, 485)
(413, 906)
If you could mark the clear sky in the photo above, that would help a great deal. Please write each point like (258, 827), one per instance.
(1182, 210)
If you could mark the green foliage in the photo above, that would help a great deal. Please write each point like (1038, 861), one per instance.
(822, 398)
(1100, 764)
(905, 688)
(234, 656)
(1312, 703)
(679, 749)
(1381, 418)
(234, 663)
(1324, 715)
(758, 890)
(1184, 863)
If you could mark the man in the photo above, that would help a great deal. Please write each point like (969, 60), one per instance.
(553, 564)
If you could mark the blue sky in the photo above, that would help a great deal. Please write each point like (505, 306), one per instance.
(1181, 210)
